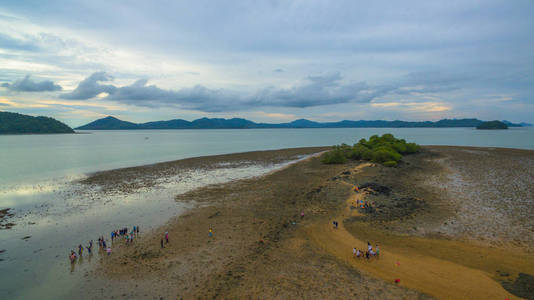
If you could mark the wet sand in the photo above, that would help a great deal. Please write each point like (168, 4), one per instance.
(263, 248)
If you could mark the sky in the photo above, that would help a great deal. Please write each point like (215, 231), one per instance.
(268, 61)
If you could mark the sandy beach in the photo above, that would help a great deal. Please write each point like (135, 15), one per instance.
(451, 222)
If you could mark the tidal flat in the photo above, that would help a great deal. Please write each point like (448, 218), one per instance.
(433, 217)
(62, 215)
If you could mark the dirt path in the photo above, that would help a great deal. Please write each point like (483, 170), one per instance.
(439, 278)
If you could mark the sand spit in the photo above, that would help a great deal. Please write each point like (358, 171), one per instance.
(132, 179)
(263, 248)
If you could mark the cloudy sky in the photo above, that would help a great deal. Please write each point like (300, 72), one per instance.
(269, 61)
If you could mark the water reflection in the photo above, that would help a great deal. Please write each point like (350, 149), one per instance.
(61, 218)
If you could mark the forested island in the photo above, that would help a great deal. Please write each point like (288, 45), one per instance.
(112, 123)
(492, 125)
(14, 123)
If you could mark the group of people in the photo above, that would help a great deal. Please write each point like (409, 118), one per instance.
(361, 203)
(128, 236)
(73, 256)
(357, 253)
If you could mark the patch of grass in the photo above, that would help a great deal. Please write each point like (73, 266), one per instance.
(335, 156)
(390, 163)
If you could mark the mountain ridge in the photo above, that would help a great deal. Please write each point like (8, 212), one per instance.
(15, 123)
(112, 123)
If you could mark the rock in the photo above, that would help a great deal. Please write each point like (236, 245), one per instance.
(376, 187)
(522, 287)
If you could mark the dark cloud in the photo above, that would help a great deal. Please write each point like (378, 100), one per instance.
(90, 87)
(197, 97)
(26, 84)
(315, 91)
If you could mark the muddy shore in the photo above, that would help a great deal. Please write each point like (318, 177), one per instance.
(445, 198)
(5, 214)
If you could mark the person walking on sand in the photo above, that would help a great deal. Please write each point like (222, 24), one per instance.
(210, 232)
(137, 228)
(80, 249)
(353, 252)
(166, 237)
(161, 243)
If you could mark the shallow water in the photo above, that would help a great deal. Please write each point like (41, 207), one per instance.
(72, 214)
(38, 173)
(28, 159)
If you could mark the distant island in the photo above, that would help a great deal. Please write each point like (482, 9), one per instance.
(14, 123)
(492, 125)
(112, 123)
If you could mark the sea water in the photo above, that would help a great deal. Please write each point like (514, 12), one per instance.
(28, 159)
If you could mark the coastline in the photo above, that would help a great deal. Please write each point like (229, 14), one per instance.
(148, 175)
(82, 211)
(257, 227)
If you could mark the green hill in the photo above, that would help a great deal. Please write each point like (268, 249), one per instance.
(492, 125)
(14, 123)
(109, 123)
